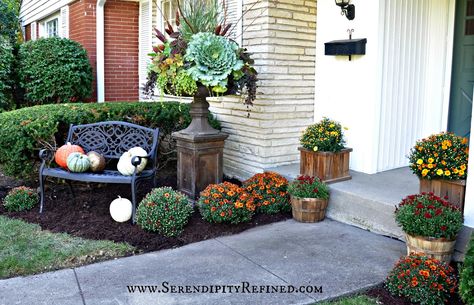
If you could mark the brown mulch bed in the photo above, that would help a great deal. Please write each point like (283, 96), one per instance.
(88, 215)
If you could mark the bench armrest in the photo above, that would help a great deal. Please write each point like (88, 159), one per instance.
(46, 155)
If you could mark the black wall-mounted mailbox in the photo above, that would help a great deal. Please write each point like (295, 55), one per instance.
(345, 47)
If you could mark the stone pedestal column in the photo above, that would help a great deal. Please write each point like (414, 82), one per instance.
(200, 150)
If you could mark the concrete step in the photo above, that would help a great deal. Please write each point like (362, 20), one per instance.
(368, 201)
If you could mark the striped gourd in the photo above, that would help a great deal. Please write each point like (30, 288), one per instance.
(78, 163)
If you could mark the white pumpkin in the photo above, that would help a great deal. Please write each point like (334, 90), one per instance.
(139, 152)
(121, 209)
(124, 165)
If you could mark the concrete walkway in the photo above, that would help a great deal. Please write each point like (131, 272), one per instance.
(329, 256)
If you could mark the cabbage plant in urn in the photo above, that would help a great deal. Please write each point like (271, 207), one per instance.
(197, 58)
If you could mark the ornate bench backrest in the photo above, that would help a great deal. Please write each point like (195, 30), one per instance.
(111, 139)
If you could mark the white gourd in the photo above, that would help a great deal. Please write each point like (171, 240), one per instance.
(121, 209)
(139, 152)
(124, 165)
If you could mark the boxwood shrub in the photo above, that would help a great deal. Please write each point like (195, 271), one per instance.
(54, 70)
(6, 64)
(24, 131)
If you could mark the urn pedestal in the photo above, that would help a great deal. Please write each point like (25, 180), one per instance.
(200, 150)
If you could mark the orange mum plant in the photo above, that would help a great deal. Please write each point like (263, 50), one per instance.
(440, 156)
(422, 279)
(226, 202)
(270, 192)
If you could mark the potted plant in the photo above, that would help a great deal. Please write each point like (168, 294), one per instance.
(309, 199)
(431, 225)
(323, 153)
(440, 162)
(199, 59)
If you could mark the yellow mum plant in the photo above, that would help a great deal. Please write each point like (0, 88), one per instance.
(440, 156)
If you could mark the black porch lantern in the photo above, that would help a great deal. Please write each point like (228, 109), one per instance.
(347, 9)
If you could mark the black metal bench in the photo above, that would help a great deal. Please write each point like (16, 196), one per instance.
(110, 139)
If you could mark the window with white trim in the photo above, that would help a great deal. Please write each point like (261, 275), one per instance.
(169, 8)
(49, 27)
(234, 14)
(52, 28)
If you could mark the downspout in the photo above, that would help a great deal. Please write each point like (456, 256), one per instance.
(100, 51)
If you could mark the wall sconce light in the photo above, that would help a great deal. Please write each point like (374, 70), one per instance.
(346, 8)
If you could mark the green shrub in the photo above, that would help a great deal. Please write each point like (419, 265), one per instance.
(165, 211)
(24, 131)
(54, 70)
(6, 64)
(270, 192)
(9, 23)
(466, 282)
(20, 199)
(422, 280)
(226, 202)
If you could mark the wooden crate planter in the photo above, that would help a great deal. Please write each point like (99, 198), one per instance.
(308, 209)
(328, 166)
(439, 248)
(454, 189)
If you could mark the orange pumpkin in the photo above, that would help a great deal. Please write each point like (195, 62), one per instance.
(60, 157)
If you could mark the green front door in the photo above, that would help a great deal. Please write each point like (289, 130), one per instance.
(460, 107)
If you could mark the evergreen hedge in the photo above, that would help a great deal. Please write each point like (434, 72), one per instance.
(25, 131)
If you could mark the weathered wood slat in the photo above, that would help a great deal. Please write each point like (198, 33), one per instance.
(454, 189)
(439, 248)
(328, 166)
(308, 209)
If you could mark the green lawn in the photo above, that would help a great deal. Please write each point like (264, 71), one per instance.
(26, 249)
(358, 300)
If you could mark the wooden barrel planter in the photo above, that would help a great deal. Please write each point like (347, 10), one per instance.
(439, 248)
(455, 190)
(328, 166)
(308, 209)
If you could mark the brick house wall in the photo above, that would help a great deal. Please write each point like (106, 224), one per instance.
(28, 32)
(82, 25)
(281, 34)
(121, 44)
(121, 51)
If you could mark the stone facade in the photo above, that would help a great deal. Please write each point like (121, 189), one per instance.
(281, 34)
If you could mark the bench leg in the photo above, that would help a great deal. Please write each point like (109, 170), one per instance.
(71, 190)
(134, 200)
(41, 180)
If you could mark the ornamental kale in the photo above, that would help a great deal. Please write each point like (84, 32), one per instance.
(213, 58)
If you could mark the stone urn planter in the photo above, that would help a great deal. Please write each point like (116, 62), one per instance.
(208, 63)
(328, 166)
(440, 248)
(309, 198)
(454, 190)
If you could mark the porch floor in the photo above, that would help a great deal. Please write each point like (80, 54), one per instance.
(368, 201)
